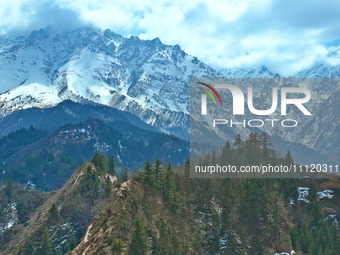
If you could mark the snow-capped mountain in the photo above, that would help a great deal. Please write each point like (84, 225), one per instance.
(261, 72)
(321, 131)
(320, 71)
(144, 77)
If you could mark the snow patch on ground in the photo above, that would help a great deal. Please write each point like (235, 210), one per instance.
(327, 193)
(303, 194)
(30, 186)
(119, 159)
(334, 218)
(291, 202)
(285, 253)
(10, 217)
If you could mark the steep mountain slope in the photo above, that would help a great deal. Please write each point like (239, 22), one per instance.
(322, 131)
(66, 112)
(48, 159)
(57, 224)
(215, 217)
(143, 77)
(16, 207)
(318, 132)
(162, 211)
(146, 78)
(323, 128)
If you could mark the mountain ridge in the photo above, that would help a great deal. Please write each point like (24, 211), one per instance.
(95, 67)
(143, 77)
(162, 210)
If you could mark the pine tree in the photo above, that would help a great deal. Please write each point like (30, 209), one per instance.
(187, 169)
(112, 166)
(207, 160)
(117, 246)
(253, 151)
(226, 153)
(100, 163)
(168, 185)
(163, 240)
(108, 185)
(73, 243)
(138, 244)
(316, 213)
(316, 210)
(238, 141)
(46, 246)
(125, 175)
(54, 212)
(9, 189)
(213, 158)
(148, 174)
(294, 237)
(158, 169)
(28, 248)
(266, 146)
(158, 173)
(288, 159)
(214, 237)
(305, 237)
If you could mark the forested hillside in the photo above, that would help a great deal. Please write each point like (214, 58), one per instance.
(161, 210)
(46, 159)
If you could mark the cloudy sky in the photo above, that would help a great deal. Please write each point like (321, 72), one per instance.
(285, 35)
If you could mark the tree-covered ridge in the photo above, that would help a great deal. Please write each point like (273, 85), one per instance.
(57, 225)
(161, 210)
(249, 213)
(166, 212)
(255, 150)
(48, 158)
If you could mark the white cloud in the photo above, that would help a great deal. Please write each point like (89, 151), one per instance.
(32, 15)
(287, 36)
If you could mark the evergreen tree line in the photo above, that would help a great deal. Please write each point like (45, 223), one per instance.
(252, 208)
(316, 235)
(255, 150)
(249, 210)
(90, 188)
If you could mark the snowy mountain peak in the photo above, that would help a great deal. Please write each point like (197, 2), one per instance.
(260, 72)
(145, 77)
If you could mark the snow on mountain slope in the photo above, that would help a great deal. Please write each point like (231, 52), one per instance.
(320, 131)
(28, 96)
(144, 77)
(262, 72)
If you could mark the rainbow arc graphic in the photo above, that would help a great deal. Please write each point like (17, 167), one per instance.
(209, 93)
